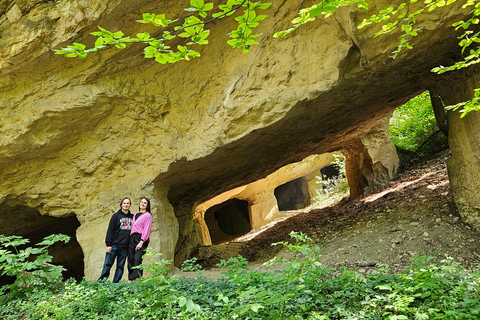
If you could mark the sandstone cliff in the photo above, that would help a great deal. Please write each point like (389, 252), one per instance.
(76, 136)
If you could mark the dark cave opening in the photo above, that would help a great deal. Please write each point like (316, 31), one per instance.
(30, 224)
(292, 195)
(228, 220)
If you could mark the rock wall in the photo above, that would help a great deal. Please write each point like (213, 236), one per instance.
(76, 136)
(464, 141)
(371, 160)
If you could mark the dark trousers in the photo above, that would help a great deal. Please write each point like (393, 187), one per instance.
(135, 258)
(119, 253)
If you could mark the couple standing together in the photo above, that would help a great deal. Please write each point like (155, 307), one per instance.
(127, 237)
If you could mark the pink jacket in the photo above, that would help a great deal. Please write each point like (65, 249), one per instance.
(143, 225)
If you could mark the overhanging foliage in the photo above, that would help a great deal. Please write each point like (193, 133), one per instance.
(193, 29)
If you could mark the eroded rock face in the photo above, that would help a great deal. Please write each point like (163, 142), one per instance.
(76, 136)
(371, 160)
(464, 140)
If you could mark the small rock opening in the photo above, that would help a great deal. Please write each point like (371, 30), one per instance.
(29, 223)
(292, 195)
(228, 220)
(330, 171)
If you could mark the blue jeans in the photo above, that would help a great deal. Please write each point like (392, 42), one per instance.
(120, 254)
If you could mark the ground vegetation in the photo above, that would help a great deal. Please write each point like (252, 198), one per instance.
(399, 253)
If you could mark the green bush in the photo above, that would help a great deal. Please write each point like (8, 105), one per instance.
(30, 266)
(413, 126)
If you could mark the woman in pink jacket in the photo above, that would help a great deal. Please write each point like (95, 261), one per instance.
(139, 239)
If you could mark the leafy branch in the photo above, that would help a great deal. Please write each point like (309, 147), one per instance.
(401, 15)
(325, 8)
(32, 265)
(404, 19)
(468, 106)
(400, 18)
(193, 28)
(468, 38)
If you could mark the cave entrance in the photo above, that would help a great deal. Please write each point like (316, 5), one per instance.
(228, 220)
(292, 195)
(330, 171)
(29, 223)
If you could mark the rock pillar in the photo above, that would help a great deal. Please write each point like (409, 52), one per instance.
(464, 140)
(371, 160)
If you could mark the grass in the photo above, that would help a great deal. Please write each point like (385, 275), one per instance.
(301, 288)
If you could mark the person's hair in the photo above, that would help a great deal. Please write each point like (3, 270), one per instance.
(148, 204)
(126, 198)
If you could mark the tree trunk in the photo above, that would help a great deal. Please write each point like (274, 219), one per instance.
(439, 111)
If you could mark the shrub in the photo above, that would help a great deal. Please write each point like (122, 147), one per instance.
(30, 266)
(413, 125)
(294, 288)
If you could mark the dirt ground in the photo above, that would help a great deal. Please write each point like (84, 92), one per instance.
(414, 215)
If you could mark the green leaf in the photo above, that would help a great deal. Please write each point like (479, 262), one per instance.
(105, 30)
(208, 6)
(150, 52)
(143, 36)
(319, 10)
(193, 53)
(118, 34)
(384, 287)
(160, 58)
(99, 42)
(159, 20)
(147, 18)
(197, 3)
(191, 306)
(260, 17)
(204, 34)
(255, 307)
(78, 46)
(259, 5)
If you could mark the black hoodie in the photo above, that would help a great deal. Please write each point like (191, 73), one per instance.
(118, 233)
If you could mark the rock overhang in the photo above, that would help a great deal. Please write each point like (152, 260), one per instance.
(363, 84)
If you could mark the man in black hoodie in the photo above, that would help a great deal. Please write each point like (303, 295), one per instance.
(118, 236)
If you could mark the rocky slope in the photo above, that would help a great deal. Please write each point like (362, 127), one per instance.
(412, 216)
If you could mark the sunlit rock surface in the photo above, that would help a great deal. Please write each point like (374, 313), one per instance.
(263, 206)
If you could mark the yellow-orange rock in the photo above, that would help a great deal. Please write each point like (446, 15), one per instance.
(76, 136)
